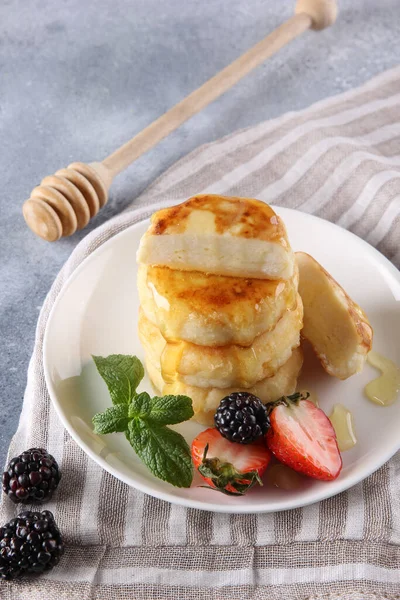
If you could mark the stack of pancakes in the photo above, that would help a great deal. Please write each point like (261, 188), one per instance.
(220, 311)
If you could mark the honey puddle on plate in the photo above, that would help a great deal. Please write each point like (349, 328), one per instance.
(343, 424)
(384, 389)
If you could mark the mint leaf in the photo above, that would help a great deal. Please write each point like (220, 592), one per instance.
(122, 374)
(169, 410)
(112, 419)
(164, 451)
(140, 405)
(166, 410)
(143, 419)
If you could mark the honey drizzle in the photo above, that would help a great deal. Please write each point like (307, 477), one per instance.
(384, 389)
(170, 359)
(343, 424)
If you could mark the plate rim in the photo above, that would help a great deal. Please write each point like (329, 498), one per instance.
(142, 214)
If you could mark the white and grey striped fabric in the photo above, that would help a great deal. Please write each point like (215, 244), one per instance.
(339, 159)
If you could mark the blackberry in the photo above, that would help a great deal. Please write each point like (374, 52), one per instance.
(30, 543)
(31, 477)
(241, 418)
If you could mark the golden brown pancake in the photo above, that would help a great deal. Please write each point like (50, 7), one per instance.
(224, 366)
(212, 310)
(337, 328)
(206, 401)
(239, 237)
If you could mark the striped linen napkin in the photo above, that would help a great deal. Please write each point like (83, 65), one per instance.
(339, 159)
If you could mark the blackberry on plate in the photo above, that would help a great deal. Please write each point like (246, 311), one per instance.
(31, 477)
(30, 543)
(241, 417)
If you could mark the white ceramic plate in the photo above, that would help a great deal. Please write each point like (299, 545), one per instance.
(97, 314)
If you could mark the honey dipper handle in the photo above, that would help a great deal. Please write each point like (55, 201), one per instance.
(315, 14)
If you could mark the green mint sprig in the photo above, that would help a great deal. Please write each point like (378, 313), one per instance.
(144, 419)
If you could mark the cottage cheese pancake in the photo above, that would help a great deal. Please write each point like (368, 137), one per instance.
(238, 237)
(212, 310)
(224, 366)
(337, 328)
(206, 400)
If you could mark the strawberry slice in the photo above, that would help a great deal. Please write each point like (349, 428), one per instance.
(228, 467)
(302, 437)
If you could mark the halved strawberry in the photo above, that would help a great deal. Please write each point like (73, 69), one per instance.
(228, 467)
(302, 437)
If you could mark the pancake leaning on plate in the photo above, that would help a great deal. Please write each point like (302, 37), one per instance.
(336, 327)
(213, 310)
(239, 237)
(206, 400)
(225, 366)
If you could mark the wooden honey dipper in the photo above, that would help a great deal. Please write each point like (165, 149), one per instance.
(66, 201)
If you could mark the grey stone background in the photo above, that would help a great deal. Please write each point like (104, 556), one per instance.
(78, 78)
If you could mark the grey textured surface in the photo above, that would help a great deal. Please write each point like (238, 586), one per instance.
(77, 79)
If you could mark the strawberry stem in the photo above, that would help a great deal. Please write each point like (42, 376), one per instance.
(286, 400)
(223, 474)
